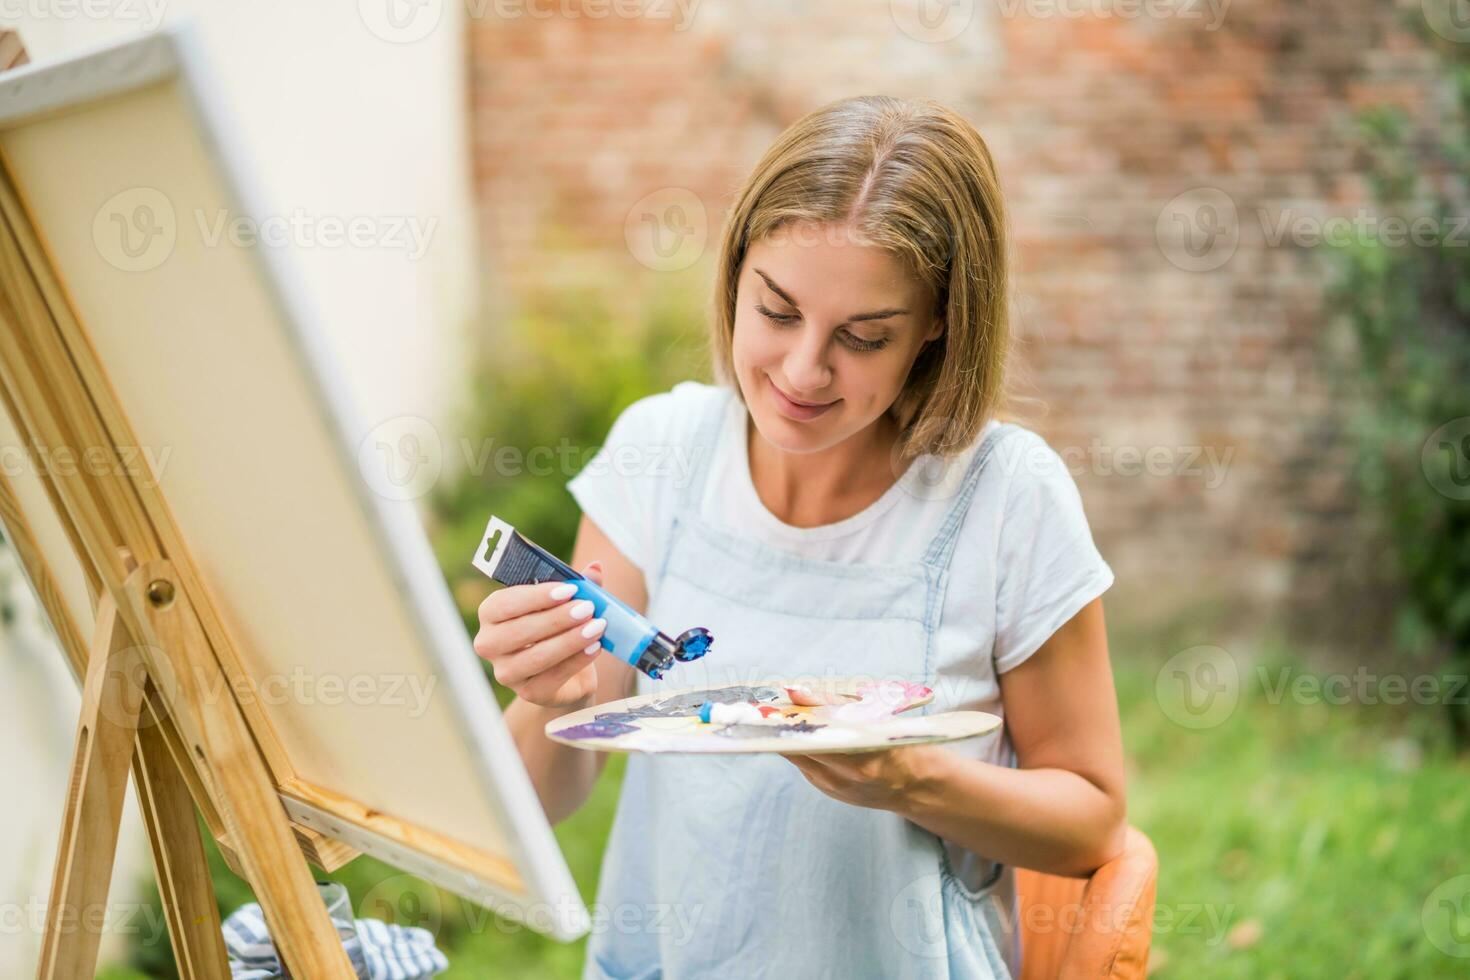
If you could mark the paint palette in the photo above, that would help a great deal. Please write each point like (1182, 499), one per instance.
(832, 715)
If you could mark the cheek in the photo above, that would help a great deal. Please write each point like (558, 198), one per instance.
(752, 345)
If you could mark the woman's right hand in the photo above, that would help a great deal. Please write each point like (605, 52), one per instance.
(542, 645)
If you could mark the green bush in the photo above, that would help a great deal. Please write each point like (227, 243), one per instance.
(560, 374)
(1408, 306)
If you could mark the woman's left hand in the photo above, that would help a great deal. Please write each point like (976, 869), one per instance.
(881, 780)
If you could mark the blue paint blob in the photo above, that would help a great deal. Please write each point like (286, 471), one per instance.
(601, 728)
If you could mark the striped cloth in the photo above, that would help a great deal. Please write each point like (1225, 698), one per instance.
(376, 950)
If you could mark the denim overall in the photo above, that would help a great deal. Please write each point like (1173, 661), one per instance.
(736, 866)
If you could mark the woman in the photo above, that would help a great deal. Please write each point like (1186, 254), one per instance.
(844, 503)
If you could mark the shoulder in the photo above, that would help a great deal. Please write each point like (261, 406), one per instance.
(1022, 481)
(1026, 459)
(668, 417)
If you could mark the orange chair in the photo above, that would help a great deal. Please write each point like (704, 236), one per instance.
(1090, 927)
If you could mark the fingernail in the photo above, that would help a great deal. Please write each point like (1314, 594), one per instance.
(592, 648)
(594, 627)
(563, 591)
(581, 609)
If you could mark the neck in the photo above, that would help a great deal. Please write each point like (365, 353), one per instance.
(812, 489)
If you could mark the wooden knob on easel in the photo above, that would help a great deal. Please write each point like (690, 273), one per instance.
(160, 592)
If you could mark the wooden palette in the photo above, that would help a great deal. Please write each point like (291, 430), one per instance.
(870, 716)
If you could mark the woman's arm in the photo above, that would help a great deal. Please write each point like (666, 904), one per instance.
(1061, 810)
(564, 776)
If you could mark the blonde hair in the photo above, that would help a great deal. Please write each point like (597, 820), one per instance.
(913, 177)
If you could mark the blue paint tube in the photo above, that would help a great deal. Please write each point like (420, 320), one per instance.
(510, 558)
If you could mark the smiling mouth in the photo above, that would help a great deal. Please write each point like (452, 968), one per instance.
(798, 401)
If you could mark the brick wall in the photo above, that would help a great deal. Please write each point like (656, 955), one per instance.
(1148, 160)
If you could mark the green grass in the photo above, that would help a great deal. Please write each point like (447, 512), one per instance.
(1296, 841)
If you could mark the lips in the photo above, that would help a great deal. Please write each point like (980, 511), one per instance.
(798, 410)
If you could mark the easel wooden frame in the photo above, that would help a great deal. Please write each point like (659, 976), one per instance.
(150, 671)
(128, 547)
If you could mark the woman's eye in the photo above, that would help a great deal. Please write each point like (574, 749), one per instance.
(855, 342)
(773, 315)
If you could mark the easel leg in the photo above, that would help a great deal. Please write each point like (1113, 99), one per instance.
(179, 861)
(111, 700)
(180, 662)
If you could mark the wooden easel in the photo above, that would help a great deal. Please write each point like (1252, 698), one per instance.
(155, 696)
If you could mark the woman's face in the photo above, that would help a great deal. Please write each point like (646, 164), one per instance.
(826, 329)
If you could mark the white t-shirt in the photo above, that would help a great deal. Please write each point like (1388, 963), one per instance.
(1024, 562)
(1026, 512)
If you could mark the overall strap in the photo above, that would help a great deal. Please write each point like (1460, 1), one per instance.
(941, 548)
(706, 439)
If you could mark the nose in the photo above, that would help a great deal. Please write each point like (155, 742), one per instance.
(805, 366)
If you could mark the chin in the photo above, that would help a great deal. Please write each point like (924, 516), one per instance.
(790, 436)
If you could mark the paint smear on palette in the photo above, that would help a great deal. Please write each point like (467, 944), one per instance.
(597, 729)
(767, 731)
(676, 705)
(808, 698)
(679, 724)
(880, 700)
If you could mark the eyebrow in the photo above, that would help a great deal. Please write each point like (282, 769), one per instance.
(875, 315)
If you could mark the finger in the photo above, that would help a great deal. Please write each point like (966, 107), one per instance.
(516, 634)
(548, 682)
(593, 571)
(571, 642)
(514, 601)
